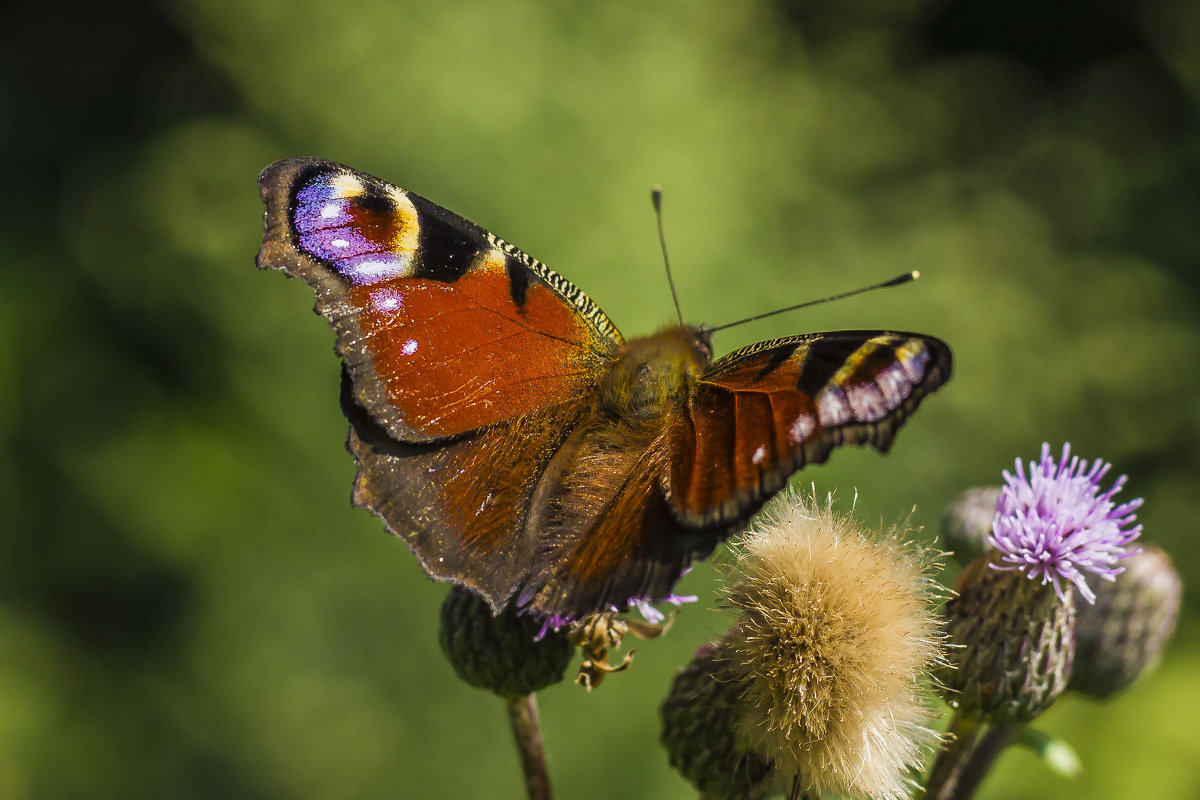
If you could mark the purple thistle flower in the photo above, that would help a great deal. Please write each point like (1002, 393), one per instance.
(1056, 524)
(652, 614)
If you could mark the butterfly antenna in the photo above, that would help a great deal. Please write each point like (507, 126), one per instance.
(899, 280)
(656, 198)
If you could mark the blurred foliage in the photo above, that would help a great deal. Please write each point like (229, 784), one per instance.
(188, 607)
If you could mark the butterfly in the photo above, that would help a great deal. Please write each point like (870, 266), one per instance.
(520, 445)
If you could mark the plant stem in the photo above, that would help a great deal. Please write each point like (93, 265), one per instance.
(523, 717)
(981, 760)
(948, 769)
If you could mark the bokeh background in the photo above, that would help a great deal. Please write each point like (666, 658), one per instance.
(189, 607)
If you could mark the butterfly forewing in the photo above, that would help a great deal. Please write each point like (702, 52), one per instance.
(761, 413)
(444, 328)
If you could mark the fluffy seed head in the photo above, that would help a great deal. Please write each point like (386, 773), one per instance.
(835, 635)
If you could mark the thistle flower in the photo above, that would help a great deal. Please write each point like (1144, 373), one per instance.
(835, 632)
(1056, 524)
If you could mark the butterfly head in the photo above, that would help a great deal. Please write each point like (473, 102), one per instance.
(653, 372)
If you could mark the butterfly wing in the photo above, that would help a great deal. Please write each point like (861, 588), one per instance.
(443, 327)
(761, 413)
(618, 547)
(463, 505)
(466, 363)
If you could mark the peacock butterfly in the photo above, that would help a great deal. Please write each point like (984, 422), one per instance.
(522, 447)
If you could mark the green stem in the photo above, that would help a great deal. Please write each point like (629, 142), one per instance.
(952, 761)
(523, 717)
(981, 759)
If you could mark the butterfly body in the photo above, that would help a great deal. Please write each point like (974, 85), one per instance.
(520, 445)
(648, 376)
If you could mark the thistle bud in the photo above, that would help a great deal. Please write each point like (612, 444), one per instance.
(1123, 634)
(509, 653)
(968, 523)
(1015, 644)
(700, 732)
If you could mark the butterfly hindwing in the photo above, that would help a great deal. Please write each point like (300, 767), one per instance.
(462, 505)
(761, 413)
(443, 327)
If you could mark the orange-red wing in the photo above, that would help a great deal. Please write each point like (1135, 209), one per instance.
(443, 327)
(761, 413)
(463, 506)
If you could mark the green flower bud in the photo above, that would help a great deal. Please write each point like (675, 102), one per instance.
(968, 523)
(1122, 634)
(500, 652)
(700, 718)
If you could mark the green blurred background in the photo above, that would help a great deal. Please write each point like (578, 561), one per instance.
(189, 608)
